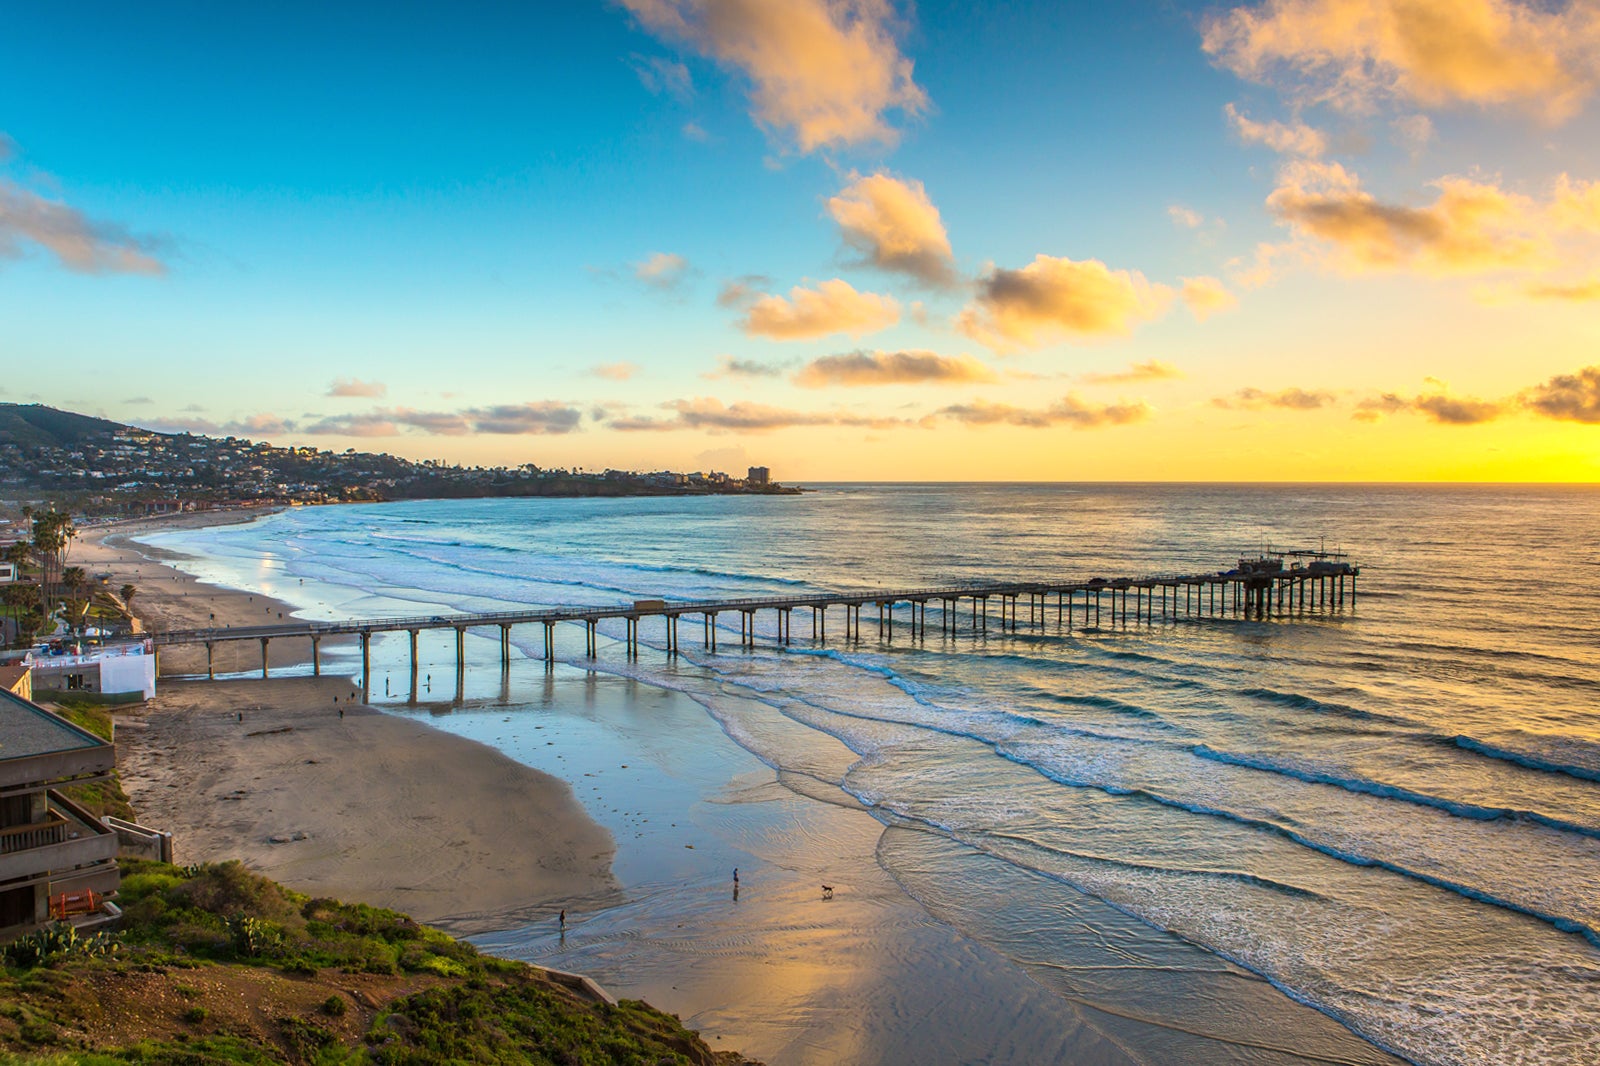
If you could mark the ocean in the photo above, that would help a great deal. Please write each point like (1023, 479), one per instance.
(1388, 812)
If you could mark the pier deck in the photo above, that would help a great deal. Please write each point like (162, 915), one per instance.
(1278, 594)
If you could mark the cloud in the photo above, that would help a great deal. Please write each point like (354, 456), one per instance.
(1284, 138)
(1412, 132)
(1576, 205)
(1153, 370)
(1186, 217)
(661, 75)
(614, 371)
(832, 307)
(1052, 299)
(892, 368)
(663, 270)
(1253, 399)
(729, 367)
(262, 425)
(545, 417)
(1471, 227)
(1374, 408)
(357, 387)
(1207, 296)
(1456, 411)
(1572, 292)
(184, 425)
(742, 291)
(525, 418)
(826, 72)
(714, 415)
(894, 226)
(1356, 53)
(1069, 410)
(138, 400)
(1568, 397)
(79, 243)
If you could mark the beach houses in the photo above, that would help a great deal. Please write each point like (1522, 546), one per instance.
(57, 862)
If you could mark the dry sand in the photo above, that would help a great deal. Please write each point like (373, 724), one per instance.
(367, 807)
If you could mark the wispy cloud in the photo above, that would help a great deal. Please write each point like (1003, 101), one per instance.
(892, 368)
(824, 72)
(79, 243)
(1254, 399)
(1206, 296)
(1069, 411)
(895, 227)
(1433, 53)
(614, 371)
(707, 413)
(665, 271)
(1154, 370)
(1292, 139)
(661, 75)
(832, 307)
(357, 387)
(1054, 299)
(1186, 217)
(729, 367)
(545, 417)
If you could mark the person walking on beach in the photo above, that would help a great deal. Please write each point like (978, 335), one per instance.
(735, 875)
(563, 919)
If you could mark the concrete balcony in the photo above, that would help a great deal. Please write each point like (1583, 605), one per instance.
(66, 840)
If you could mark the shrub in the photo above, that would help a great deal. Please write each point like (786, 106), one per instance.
(57, 941)
(334, 1006)
(195, 1015)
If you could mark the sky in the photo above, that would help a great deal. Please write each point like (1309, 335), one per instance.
(1285, 240)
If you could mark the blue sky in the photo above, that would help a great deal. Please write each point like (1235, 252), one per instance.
(459, 206)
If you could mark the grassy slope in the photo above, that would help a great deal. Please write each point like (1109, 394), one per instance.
(101, 797)
(219, 965)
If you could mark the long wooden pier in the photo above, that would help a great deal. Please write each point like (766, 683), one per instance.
(1254, 590)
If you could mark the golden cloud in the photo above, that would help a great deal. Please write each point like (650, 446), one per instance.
(827, 71)
(1070, 410)
(78, 242)
(1187, 217)
(1457, 411)
(892, 368)
(1352, 53)
(1571, 292)
(1470, 227)
(894, 226)
(1053, 299)
(1293, 139)
(832, 307)
(1154, 370)
(614, 371)
(1207, 296)
(1576, 205)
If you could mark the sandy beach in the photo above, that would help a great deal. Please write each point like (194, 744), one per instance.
(298, 779)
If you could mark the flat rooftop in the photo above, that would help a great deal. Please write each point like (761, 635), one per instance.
(27, 731)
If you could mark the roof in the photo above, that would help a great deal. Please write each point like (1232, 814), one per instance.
(11, 673)
(27, 730)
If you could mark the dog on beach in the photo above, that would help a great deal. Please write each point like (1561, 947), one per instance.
(827, 891)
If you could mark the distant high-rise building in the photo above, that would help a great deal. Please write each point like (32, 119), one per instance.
(759, 475)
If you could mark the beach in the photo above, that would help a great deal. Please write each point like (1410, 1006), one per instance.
(304, 783)
(647, 786)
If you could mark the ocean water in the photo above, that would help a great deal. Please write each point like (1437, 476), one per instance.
(1390, 810)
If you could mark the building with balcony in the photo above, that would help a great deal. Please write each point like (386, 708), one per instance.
(56, 859)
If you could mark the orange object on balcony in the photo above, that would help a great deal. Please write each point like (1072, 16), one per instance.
(66, 904)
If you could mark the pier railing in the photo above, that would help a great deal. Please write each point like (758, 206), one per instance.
(1250, 593)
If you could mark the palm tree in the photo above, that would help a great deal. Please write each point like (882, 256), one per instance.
(127, 592)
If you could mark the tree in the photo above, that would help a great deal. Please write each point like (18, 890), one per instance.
(127, 592)
(52, 541)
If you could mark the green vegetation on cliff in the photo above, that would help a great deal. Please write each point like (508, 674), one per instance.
(216, 965)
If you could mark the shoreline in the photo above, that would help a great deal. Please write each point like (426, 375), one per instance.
(305, 783)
